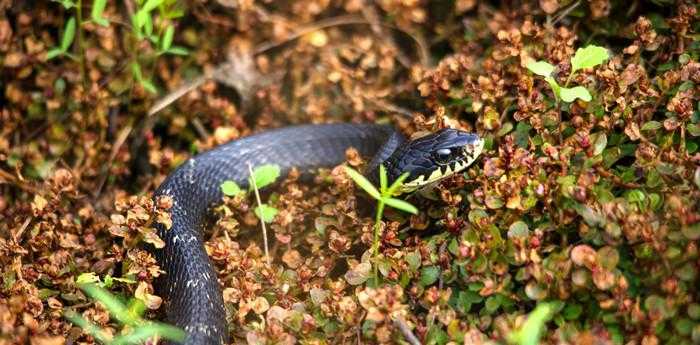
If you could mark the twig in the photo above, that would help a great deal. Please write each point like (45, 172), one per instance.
(384, 105)
(199, 128)
(406, 331)
(182, 90)
(121, 138)
(565, 12)
(6, 177)
(370, 14)
(262, 222)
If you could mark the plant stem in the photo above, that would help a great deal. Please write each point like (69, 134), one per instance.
(377, 227)
(81, 56)
(568, 79)
(262, 222)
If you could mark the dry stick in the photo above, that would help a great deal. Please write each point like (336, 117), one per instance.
(121, 139)
(370, 14)
(262, 221)
(565, 12)
(403, 327)
(222, 68)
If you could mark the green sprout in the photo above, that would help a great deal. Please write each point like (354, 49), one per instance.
(384, 196)
(587, 57)
(261, 176)
(66, 40)
(137, 330)
(531, 330)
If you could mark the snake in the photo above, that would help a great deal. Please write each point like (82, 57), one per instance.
(190, 289)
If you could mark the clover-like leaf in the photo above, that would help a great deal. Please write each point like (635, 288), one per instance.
(587, 57)
(231, 188)
(541, 68)
(265, 175)
(570, 94)
(266, 213)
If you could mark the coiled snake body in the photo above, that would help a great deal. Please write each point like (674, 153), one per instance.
(190, 287)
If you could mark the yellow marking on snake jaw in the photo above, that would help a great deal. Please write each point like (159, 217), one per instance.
(471, 153)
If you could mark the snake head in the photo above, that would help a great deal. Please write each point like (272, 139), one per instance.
(433, 157)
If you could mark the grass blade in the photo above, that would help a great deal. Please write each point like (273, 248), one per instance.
(363, 182)
(401, 205)
(68, 34)
(98, 7)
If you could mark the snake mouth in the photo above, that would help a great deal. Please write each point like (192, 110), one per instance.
(468, 153)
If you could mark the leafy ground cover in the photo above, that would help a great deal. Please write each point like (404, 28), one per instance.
(581, 215)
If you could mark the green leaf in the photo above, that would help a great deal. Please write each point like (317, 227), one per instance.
(429, 275)
(363, 182)
(167, 41)
(651, 125)
(178, 51)
(599, 144)
(67, 4)
(541, 68)
(413, 259)
(572, 311)
(265, 175)
(231, 188)
(693, 129)
(53, 52)
(382, 179)
(635, 196)
(492, 304)
(68, 34)
(401, 205)
(570, 94)
(87, 278)
(530, 332)
(588, 57)
(397, 184)
(151, 5)
(98, 7)
(518, 229)
(266, 213)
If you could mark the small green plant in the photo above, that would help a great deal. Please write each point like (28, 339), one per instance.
(108, 282)
(143, 28)
(531, 330)
(260, 177)
(384, 196)
(66, 40)
(587, 57)
(137, 330)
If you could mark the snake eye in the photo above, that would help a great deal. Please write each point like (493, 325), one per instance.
(443, 155)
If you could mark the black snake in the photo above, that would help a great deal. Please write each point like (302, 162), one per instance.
(190, 287)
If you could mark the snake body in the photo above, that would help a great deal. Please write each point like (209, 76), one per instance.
(192, 295)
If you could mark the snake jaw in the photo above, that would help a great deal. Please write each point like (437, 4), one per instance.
(469, 150)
